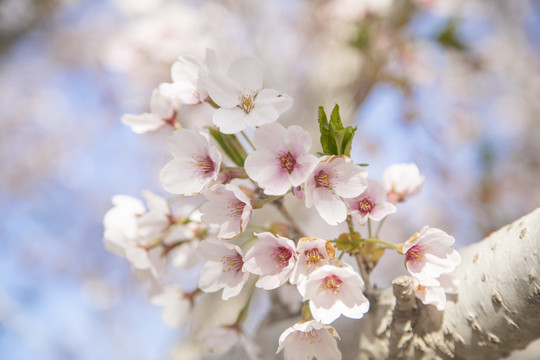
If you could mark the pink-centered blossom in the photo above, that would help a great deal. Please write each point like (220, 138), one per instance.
(227, 207)
(223, 268)
(334, 291)
(308, 340)
(312, 254)
(402, 181)
(196, 163)
(370, 204)
(335, 178)
(436, 295)
(189, 78)
(242, 100)
(428, 254)
(163, 110)
(282, 158)
(273, 258)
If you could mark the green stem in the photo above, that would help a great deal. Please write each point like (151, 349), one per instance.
(379, 228)
(248, 140)
(339, 258)
(350, 224)
(385, 243)
(369, 228)
(243, 312)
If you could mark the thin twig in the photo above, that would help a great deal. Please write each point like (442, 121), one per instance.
(278, 203)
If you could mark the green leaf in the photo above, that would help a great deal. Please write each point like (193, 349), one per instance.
(328, 142)
(230, 146)
(346, 144)
(335, 119)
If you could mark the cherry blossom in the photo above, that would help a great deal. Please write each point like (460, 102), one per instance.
(436, 295)
(281, 159)
(312, 253)
(309, 339)
(177, 305)
(402, 181)
(129, 227)
(428, 255)
(163, 111)
(189, 75)
(223, 269)
(370, 204)
(334, 178)
(196, 163)
(229, 208)
(242, 100)
(220, 340)
(273, 257)
(335, 291)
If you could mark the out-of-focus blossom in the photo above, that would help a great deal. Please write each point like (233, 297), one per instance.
(370, 204)
(196, 163)
(402, 181)
(309, 339)
(189, 75)
(273, 258)
(334, 291)
(221, 340)
(242, 100)
(177, 305)
(436, 295)
(334, 178)
(429, 254)
(163, 111)
(129, 228)
(229, 208)
(281, 159)
(355, 10)
(312, 254)
(223, 269)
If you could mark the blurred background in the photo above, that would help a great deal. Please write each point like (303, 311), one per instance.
(451, 85)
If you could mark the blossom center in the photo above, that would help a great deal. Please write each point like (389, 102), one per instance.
(232, 263)
(322, 179)
(365, 205)
(235, 208)
(331, 283)
(311, 337)
(204, 163)
(246, 101)
(281, 256)
(416, 254)
(287, 161)
(313, 257)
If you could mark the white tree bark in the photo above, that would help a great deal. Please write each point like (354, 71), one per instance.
(496, 311)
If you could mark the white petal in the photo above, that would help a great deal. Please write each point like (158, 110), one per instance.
(230, 121)
(224, 91)
(260, 115)
(143, 123)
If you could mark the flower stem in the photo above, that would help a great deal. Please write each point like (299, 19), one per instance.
(379, 227)
(248, 140)
(385, 243)
(369, 227)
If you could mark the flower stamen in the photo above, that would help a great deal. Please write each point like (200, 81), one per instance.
(313, 257)
(281, 256)
(287, 161)
(332, 283)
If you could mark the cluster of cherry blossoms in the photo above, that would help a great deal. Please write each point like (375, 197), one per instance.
(220, 180)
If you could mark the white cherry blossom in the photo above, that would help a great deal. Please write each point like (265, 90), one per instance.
(189, 77)
(436, 295)
(130, 227)
(242, 100)
(220, 340)
(223, 269)
(370, 204)
(312, 254)
(196, 163)
(428, 254)
(273, 258)
(229, 208)
(163, 110)
(402, 181)
(177, 305)
(334, 291)
(282, 158)
(309, 339)
(334, 178)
